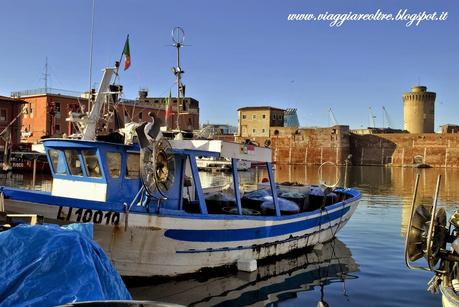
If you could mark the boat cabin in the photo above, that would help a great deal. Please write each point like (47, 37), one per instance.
(166, 180)
(96, 171)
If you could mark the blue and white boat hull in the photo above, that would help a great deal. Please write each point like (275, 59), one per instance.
(168, 245)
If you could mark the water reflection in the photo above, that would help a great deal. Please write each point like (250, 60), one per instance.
(374, 233)
(274, 282)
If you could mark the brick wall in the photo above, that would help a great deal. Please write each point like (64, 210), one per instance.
(317, 145)
(402, 149)
(307, 145)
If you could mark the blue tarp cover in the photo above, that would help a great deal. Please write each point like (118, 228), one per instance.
(45, 265)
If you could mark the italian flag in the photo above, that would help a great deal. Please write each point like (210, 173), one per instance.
(127, 54)
(168, 116)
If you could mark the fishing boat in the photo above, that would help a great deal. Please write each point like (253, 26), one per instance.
(151, 213)
(429, 239)
(154, 220)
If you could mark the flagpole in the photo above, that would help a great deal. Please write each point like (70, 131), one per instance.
(121, 58)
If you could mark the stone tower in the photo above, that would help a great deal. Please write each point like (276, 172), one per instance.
(419, 110)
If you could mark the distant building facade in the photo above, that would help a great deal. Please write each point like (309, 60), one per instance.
(257, 121)
(450, 128)
(221, 129)
(139, 109)
(419, 110)
(44, 114)
(371, 130)
(291, 118)
(9, 110)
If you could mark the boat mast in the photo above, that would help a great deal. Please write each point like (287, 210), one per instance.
(178, 36)
(90, 123)
(90, 53)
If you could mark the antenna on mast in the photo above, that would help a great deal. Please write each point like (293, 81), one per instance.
(45, 75)
(178, 36)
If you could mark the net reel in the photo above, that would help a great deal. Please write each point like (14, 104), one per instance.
(157, 161)
(158, 168)
(420, 243)
(427, 234)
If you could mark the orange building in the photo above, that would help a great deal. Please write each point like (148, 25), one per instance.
(9, 110)
(44, 114)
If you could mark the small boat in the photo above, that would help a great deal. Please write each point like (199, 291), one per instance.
(273, 282)
(151, 213)
(429, 238)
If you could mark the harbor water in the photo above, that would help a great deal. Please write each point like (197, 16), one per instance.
(364, 267)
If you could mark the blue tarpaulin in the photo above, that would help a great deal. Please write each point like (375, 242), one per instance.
(45, 265)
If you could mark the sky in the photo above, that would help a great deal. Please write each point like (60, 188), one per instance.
(241, 53)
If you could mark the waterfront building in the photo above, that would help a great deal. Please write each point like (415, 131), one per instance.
(45, 112)
(371, 130)
(9, 110)
(449, 128)
(419, 110)
(257, 121)
(139, 108)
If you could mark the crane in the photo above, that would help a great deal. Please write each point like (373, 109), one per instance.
(386, 116)
(332, 119)
(372, 118)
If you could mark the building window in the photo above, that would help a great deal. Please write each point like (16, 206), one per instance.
(31, 110)
(3, 115)
(25, 111)
(254, 116)
(244, 116)
(140, 115)
(273, 116)
(263, 116)
(263, 130)
(57, 128)
(57, 107)
(254, 130)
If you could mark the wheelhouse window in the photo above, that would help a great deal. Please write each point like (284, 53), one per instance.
(114, 164)
(133, 166)
(92, 163)
(73, 161)
(57, 161)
